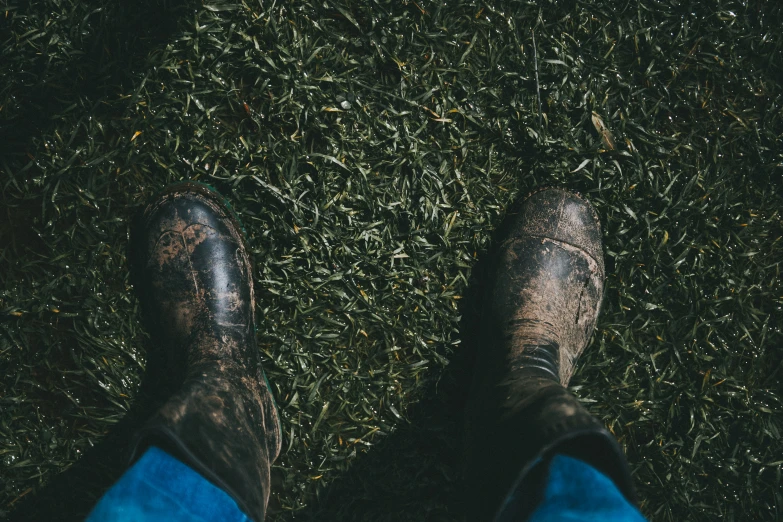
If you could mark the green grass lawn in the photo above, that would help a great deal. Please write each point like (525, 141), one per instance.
(370, 149)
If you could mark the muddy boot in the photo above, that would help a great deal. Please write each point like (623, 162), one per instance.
(541, 302)
(191, 269)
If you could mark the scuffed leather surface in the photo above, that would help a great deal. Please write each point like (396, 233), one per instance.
(541, 302)
(548, 283)
(192, 272)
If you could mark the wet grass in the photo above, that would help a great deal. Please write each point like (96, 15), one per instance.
(371, 149)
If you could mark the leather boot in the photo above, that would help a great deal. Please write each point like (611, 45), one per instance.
(191, 269)
(541, 302)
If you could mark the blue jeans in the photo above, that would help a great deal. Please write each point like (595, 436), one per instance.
(160, 487)
(576, 491)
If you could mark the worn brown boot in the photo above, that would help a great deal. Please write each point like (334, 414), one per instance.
(541, 302)
(191, 270)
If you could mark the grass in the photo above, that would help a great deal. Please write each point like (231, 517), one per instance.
(370, 149)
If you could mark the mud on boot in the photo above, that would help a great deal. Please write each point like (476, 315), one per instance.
(540, 305)
(192, 272)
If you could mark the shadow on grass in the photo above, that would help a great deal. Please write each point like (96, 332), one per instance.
(103, 60)
(416, 472)
(72, 494)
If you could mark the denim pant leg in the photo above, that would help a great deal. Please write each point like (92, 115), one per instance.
(575, 492)
(160, 487)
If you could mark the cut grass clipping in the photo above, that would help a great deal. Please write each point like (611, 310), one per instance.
(371, 148)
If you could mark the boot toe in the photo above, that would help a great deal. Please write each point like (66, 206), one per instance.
(189, 214)
(189, 258)
(562, 216)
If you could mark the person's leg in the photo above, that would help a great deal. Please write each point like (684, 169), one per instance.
(539, 311)
(160, 487)
(191, 269)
